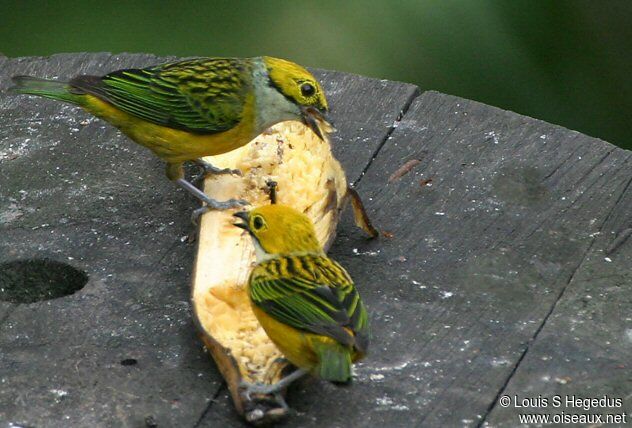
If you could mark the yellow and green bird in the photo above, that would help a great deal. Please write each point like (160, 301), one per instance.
(186, 110)
(306, 302)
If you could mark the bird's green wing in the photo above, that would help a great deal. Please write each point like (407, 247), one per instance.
(314, 294)
(204, 95)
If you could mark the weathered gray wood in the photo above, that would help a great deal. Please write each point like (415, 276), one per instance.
(75, 190)
(522, 201)
(61, 359)
(66, 195)
(56, 157)
(584, 348)
(476, 263)
(481, 290)
(364, 112)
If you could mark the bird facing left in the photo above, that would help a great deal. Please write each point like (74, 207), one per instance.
(306, 302)
(186, 110)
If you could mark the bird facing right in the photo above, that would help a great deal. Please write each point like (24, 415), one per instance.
(186, 110)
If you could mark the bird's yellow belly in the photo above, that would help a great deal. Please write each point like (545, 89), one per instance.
(294, 344)
(174, 145)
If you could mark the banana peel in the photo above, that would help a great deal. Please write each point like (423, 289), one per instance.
(292, 165)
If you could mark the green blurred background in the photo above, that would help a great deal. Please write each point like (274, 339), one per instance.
(566, 62)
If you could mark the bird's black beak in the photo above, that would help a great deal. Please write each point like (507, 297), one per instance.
(316, 121)
(243, 215)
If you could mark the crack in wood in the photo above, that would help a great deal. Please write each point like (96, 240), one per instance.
(390, 131)
(618, 241)
(209, 405)
(592, 168)
(601, 178)
(532, 340)
(524, 353)
(625, 189)
(559, 165)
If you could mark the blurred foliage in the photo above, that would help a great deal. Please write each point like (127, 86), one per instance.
(566, 62)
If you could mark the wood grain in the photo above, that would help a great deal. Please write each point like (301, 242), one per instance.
(492, 277)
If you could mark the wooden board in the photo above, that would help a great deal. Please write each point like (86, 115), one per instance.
(584, 348)
(476, 263)
(482, 290)
(73, 189)
(78, 192)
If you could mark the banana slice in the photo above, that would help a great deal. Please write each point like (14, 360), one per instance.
(307, 177)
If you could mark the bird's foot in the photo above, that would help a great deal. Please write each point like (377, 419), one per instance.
(213, 205)
(246, 389)
(210, 169)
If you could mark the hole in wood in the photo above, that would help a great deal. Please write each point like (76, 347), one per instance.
(33, 280)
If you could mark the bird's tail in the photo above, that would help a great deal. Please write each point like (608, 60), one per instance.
(335, 362)
(45, 88)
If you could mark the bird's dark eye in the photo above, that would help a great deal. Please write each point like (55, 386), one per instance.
(257, 223)
(307, 89)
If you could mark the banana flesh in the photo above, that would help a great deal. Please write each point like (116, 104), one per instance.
(309, 179)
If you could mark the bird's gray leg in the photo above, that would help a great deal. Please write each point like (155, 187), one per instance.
(210, 169)
(211, 204)
(176, 174)
(275, 388)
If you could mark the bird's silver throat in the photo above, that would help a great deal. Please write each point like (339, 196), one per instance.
(272, 106)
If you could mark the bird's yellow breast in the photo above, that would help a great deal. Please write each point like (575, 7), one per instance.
(175, 145)
(296, 345)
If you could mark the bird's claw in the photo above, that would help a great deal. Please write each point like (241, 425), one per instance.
(213, 170)
(225, 205)
(246, 389)
(213, 205)
(197, 213)
(219, 171)
(278, 397)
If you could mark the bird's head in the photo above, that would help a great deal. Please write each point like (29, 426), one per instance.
(279, 229)
(302, 89)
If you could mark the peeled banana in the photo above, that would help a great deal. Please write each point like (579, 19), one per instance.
(305, 175)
